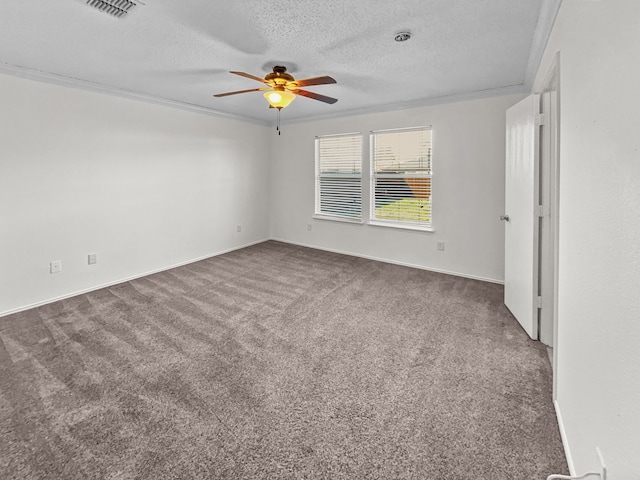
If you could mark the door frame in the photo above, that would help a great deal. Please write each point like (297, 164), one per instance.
(552, 84)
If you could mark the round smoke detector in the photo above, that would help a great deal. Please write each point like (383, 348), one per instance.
(402, 36)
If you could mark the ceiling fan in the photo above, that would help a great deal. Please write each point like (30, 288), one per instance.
(282, 88)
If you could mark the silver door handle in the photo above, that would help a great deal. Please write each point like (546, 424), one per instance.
(504, 217)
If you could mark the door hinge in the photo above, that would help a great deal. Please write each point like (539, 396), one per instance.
(541, 210)
(540, 119)
(539, 302)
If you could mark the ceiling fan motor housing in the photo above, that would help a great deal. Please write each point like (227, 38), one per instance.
(279, 76)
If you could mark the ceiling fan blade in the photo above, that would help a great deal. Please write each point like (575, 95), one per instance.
(315, 96)
(240, 91)
(248, 75)
(307, 82)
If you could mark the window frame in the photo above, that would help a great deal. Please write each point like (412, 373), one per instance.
(373, 176)
(318, 213)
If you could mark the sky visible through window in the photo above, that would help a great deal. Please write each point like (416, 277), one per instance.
(403, 151)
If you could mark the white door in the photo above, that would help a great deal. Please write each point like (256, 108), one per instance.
(521, 222)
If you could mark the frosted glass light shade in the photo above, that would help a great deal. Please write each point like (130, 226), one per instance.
(279, 98)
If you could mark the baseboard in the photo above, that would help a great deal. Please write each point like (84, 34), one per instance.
(385, 260)
(169, 267)
(565, 441)
(126, 279)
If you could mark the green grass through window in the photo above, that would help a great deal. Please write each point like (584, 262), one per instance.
(406, 210)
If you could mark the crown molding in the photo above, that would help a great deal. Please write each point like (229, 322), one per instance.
(53, 78)
(546, 19)
(47, 77)
(425, 102)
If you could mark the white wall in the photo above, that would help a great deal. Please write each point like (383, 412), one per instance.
(598, 370)
(468, 189)
(142, 186)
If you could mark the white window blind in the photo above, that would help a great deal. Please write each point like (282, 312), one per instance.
(401, 177)
(339, 176)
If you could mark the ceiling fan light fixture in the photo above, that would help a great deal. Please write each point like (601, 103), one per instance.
(279, 98)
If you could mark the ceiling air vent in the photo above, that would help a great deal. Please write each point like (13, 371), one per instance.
(117, 8)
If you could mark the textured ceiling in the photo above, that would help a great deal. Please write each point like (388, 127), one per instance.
(181, 51)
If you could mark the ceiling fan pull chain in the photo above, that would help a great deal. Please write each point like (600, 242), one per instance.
(278, 125)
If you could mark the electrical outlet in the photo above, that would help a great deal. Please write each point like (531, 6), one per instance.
(441, 246)
(92, 258)
(55, 266)
(309, 227)
(239, 228)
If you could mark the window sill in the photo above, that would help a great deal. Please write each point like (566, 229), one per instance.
(401, 226)
(357, 221)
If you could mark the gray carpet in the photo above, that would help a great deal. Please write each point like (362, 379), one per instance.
(277, 362)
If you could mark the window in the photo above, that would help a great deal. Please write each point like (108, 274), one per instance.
(401, 177)
(339, 176)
